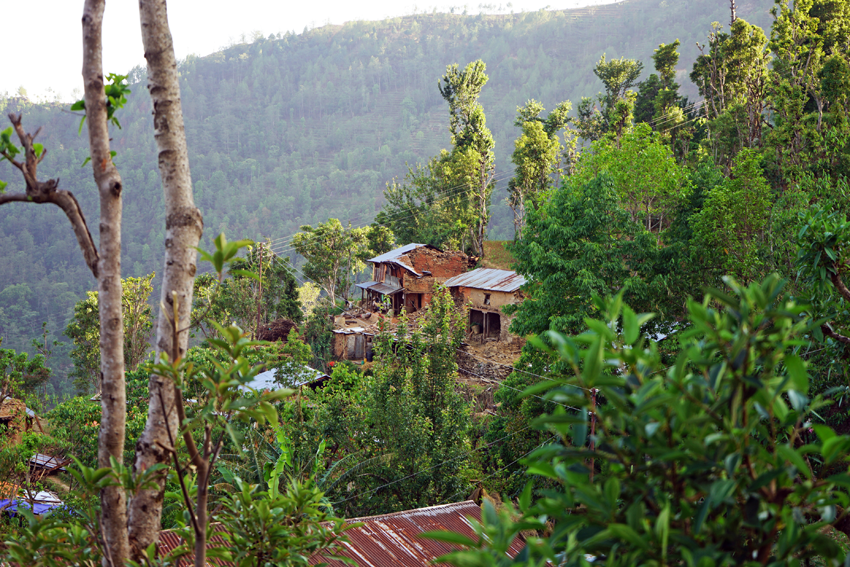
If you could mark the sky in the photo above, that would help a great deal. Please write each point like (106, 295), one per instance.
(47, 37)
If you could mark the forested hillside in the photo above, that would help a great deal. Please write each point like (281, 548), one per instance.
(294, 129)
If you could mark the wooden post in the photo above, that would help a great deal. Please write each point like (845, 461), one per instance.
(260, 294)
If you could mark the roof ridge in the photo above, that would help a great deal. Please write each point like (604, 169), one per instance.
(416, 511)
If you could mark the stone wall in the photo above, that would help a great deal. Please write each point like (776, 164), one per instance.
(480, 370)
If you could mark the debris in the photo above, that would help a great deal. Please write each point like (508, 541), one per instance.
(277, 330)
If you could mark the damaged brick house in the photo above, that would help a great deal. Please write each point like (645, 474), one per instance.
(485, 291)
(407, 275)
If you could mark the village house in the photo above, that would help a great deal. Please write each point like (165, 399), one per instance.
(352, 343)
(16, 419)
(486, 291)
(407, 275)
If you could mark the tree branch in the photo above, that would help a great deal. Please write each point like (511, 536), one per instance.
(48, 192)
(839, 283)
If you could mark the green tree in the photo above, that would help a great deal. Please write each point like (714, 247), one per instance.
(138, 319)
(84, 332)
(334, 255)
(732, 77)
(417, 422)
(809, 80)
(648, 181)
(580, 244)
(237, 298)
(21, 375)
(617, 103)
(731, 225)
(536, 157)
(460, 182)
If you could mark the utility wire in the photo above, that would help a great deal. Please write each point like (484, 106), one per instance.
(513, 368)
(451, 498)
(450, 193)
(503, 385)
(485, 446)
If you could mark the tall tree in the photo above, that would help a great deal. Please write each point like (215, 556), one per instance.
(105, 264)
(334, 255)
(448, 200)
(809, 83)
(183, 228)
(472, 156)
(536, 157)
(616, 105)
(732, 76)
(84, 331)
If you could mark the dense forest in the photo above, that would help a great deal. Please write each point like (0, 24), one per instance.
(292, 129)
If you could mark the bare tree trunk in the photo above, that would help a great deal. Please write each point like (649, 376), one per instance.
(184, 226)
(109, 186)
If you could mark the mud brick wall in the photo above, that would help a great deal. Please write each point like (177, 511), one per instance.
(442, 265)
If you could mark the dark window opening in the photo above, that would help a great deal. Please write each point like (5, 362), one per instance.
(476, 321)
(486, 299)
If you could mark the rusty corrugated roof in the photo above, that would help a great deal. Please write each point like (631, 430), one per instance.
(169, 540)
(489, 279)
(382, 541)
(393, 539)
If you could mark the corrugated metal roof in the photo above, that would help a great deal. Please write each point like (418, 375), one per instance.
(393, 539)
(383, 541)
(365, 285)
(48, 462)
(349, 331)
(489, 279)
(168, 542)
(395, 254)
(266, 380)
(385, 289)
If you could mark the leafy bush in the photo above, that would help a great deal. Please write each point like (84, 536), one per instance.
(711, 461)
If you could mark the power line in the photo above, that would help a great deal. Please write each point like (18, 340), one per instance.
(514, 368)
(494, 473)
(486, 446)
(450, 193)
(503, 385)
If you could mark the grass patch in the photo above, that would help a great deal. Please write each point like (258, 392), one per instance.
(496, 255)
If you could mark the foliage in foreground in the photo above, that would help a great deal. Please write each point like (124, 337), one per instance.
(712, 461)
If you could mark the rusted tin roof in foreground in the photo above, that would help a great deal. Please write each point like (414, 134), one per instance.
(393, 539)
(489, 279)
(169, 540)
(382, 541)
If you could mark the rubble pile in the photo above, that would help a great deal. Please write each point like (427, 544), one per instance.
(277, 330)
(490, 361)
